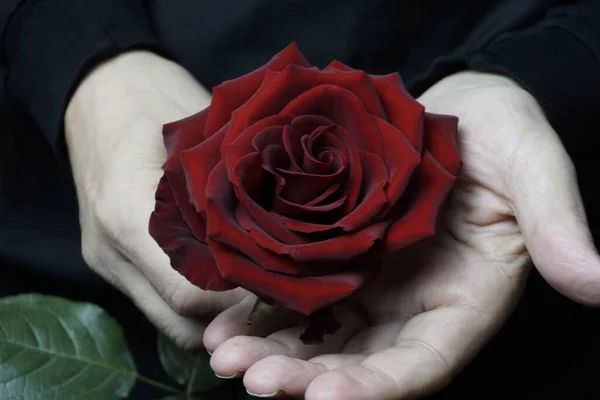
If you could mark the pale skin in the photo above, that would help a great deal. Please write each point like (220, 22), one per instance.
(426, 316)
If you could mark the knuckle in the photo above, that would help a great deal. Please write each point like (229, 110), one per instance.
(178, 299)
(281, 362)
(90, 251)
(90, 255)
(105, 215)
(241, 342)
(112, 223)
(568, 164)
(97, 262)
(292, 367)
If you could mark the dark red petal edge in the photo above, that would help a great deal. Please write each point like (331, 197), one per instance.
(401, 160)
(224, 228)
(177, 137)
(441, 141)
(303, 294)
(375, 178)
(190, 257)
(230, 95)
(197, 163)
(432, 187)
(339, 249)
(402, 110)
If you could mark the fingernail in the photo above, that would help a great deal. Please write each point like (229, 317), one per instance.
(209, 352)
(236, 375)
(262, 396)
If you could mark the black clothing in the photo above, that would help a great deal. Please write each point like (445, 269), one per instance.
(551, 47)
(47, 43)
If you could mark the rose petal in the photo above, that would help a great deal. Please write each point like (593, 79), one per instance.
(339, 249)
(323, 151)
(326, 212)
(239, 118)
(252, 246)
(304, 226)
(184, 133)
(302, 294)
(357, 82)
(401, 160)
(431, 187)
(303, 188)
(335, 65)
(249, 173)
(248, 181)
(354, 174)
(292, 135)
(275, 158)
(300, 191)
(365, 91)
(178, 136)
(325, 195)
(190, 257)
(268, 137)
(441, 141)
(247, 140)
(402, 110)
(197, 164)
(224, 228)
(342, 107)
(374, 199)
(288, 85)
(231, 94)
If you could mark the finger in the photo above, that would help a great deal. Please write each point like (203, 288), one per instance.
(291, 376)
(233, 322)
(282, 375)
(185, 332)
(133, 239)
(237, 354)
(550, 213)
(430, 349)
(182, 296)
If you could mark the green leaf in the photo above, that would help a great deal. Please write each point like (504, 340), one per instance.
(191, 370)
(55, 349)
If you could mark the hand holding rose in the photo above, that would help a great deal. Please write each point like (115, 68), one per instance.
(113, 130)
(297, 182)
(516, 199)
(426, 314)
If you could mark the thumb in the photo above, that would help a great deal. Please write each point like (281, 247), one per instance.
(550, 213)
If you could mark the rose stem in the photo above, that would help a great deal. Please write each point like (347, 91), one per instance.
(253, 312)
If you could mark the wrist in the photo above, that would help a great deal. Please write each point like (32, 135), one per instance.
(136, 83)
(120, 73)
(473, 88)
(471, 79)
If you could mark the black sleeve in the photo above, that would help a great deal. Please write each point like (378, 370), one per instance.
(48, 44)
(557, 61)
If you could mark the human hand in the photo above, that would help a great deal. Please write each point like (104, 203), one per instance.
(113, 128)
(414, 328)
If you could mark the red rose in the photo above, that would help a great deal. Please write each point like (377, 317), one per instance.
(296, 181)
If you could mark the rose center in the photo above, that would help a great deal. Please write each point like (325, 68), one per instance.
(305, 170)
